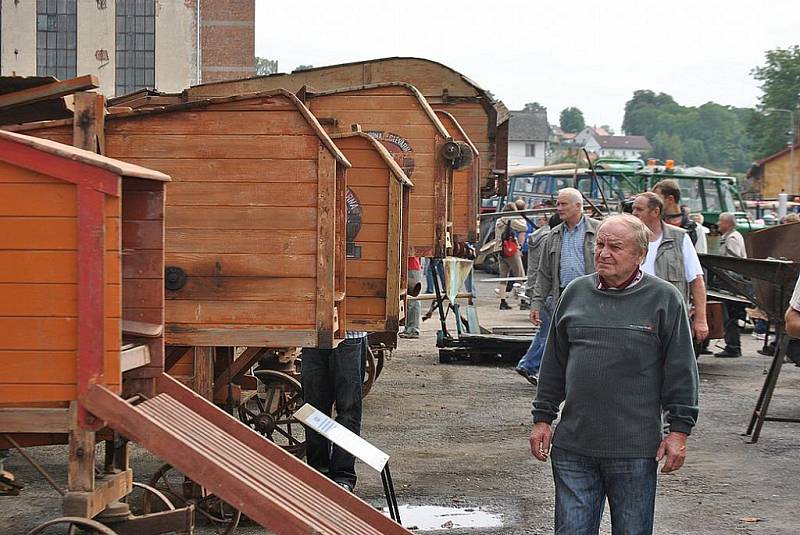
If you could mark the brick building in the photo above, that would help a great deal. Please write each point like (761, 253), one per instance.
(773, 174)
(129, 44)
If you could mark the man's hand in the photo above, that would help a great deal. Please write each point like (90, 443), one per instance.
(540, 440)
(700, 328)
(535, 319)
(673, 447)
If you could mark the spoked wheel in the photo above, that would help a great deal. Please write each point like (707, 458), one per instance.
(369, 374)
(182, 491)
(151, 501)
(271, 411)
(380, 357)
(73, 523)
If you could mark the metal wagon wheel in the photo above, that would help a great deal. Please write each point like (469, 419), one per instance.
(271, 411)
(180, 489)
(150, 497)
(370, 374)
(87, 525)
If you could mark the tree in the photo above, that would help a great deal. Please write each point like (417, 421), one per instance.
(303, 68)
(266, 66)
(571, 120)
(607, 129)
(780, 84)
(534, 107)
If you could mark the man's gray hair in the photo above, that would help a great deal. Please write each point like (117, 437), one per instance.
(728, 216)
(640, 234)
(573, 194)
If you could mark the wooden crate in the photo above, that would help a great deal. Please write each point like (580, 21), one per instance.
(254, 220)
(484, 119)
(466, 196)
(377, 237)
(81, 245)
(398, 116)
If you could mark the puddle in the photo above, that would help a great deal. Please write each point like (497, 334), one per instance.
(432, 518)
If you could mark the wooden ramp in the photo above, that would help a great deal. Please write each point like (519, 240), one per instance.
(270, 486)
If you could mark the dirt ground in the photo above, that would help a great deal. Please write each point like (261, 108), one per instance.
(457, 436)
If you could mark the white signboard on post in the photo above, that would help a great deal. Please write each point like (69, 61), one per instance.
(342, 437)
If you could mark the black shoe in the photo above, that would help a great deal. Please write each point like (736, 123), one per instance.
(530, 377)
(504, 305)
(345, 486)
(524, 306)
(706, 351)
(728, 353)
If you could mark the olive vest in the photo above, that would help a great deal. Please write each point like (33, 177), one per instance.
(669, 259)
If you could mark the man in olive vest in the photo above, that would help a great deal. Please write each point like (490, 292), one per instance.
(671, 256)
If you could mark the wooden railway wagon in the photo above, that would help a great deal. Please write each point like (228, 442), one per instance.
(81, 244)
(466, 195)
(399, 117)
(255, 223)
(484, 119)
(377, 237)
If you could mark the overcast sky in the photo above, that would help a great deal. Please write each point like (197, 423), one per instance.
(589, 54)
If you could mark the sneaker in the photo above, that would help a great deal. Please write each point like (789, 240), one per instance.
(758, 336)
(532, 378)
(345, 486)
(728, 353)
(408, 335)
(504, 305)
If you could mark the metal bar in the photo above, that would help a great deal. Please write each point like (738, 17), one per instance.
(439, 298)
(760, 413)
(39, 468)
(392, 493)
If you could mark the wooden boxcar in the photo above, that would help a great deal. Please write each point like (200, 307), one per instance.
(483, 118)
(465, 198)
(399, 117)
(254, 221)
(377, 236)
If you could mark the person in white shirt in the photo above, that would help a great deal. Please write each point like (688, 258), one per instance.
(793, 313)
(701, 246)
(671, 256)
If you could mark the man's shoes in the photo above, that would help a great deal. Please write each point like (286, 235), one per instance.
(530, 377)
(524, 306)
(504, 305)
(408, 335)
(728, 353)
(706, 351)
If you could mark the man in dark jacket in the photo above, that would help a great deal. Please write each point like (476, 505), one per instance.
(618, 355)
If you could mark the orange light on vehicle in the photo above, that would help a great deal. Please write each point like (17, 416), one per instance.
(670, 164)
(651, 163)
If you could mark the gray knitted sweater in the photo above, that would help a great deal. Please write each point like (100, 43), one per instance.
(617, 359)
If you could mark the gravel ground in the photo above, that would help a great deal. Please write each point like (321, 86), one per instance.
(457, 434)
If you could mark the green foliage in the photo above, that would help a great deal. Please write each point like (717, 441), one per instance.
(534, 106)
(571, 120)
(266, 66)
(780, 84)
(711, 135)
(303, 68)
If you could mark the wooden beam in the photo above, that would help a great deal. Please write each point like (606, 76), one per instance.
(49, 91)
(26, 420)
(109, 488)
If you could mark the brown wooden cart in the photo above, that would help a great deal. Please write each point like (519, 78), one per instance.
(484, 119)
(377, 244)
(88, 230)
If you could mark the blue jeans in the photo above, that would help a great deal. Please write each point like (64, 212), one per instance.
(582, 484)
(433, 263)
(334, 377)
(532, 359)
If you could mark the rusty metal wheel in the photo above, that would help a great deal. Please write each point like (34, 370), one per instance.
(181, 490)
(73, 523)
(369, 374)
(152, 500)
(271, 411)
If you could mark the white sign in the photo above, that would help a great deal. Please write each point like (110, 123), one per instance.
(341, 436)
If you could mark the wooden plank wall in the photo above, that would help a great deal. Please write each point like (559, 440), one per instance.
(39, 291)
(395, 109)
(369, 180)
(241, 218)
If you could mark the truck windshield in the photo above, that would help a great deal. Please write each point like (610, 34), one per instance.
(690, 193)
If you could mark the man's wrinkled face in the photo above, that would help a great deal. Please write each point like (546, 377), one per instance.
(725, 225)
(615, 255)
(645, 214)
(567, 208)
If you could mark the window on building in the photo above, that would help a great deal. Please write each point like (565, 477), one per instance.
(530, 150)
(136, 45)
(56, 38)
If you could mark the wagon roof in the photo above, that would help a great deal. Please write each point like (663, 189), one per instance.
(461, 131)
(426, 107)
(500, 108)
(397, 171)
(204, 103)
(83, 156)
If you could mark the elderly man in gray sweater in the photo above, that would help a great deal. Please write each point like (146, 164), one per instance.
(618, 355)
